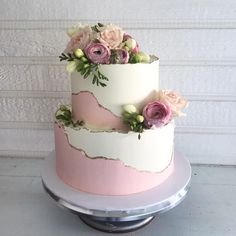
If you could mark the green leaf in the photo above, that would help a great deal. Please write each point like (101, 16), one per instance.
(94, 28)
(82, 71)
(94, 79)
(66, 123)
(80, 122)
(60, 117)
(67, 114)
(103, 84)
(87, 73)
(94, 66)
(101, 76)
(63, 108)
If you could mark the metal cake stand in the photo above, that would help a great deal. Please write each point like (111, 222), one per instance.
(119, 214)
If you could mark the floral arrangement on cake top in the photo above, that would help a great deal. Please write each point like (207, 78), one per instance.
(92, 45)
(167, 105)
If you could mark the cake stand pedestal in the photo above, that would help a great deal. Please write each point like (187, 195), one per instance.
(119, 214)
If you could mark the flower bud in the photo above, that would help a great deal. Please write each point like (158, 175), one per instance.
(71, 66)
(83, 59)
(122, 45)
(126, 48)
(125, 114)
(145, 57)
(130, 108)
(140, 57)
(140, 118)
(136, 58)
(79, 53)
(130, 43)
(85, 66)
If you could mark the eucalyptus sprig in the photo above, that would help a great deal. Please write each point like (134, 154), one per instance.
(133, 119)
(79, 62)
(64, 115)
(92, 69)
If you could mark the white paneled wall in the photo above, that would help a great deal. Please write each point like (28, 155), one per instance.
(195, 41)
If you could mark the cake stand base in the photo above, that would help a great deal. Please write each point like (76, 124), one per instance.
(119, 214)
(110, 226)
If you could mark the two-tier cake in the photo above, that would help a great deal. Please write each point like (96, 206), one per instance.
(117, 136)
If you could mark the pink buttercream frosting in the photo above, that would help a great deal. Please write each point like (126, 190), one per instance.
(100, 175)
(86, 108)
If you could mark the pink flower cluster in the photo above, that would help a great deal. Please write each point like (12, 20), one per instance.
(161, 111)
(105, 44)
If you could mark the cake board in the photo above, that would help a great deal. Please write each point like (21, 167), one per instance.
(119, 214)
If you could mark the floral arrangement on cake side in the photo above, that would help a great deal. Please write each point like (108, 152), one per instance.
(92, 45)
(157, 113)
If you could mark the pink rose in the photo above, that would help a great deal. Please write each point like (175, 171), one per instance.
(80, 39)
(174, 100)
(98, 53)
(120, 56)
(111, 35)
(156, 114)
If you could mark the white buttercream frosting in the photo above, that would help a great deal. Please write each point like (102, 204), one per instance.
(153, 152)
(128, 84)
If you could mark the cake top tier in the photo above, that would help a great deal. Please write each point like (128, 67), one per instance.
(92, 45)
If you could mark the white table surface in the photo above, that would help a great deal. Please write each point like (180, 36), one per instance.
(26, 210)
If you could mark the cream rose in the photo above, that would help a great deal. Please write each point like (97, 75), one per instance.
(111, 35)
(74, 29)
(174, 100)
(80, 39)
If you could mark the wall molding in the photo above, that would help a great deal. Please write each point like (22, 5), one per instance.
(26, 125)
(179, 129)
(42, 154)
(24, 154)
(34, 94)
(66, 94)
(54, 60)
(127, 24)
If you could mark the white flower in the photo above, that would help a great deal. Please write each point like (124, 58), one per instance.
(130, 108)
(74, 29)
(71, 66)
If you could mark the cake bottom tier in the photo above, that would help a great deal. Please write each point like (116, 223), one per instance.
(100, 175)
